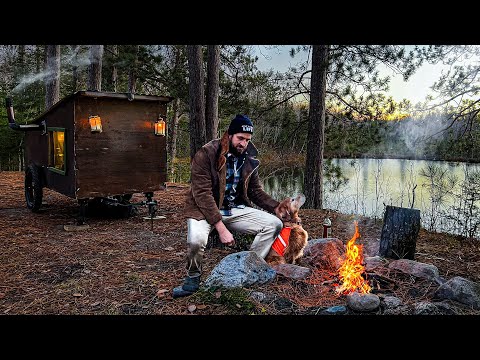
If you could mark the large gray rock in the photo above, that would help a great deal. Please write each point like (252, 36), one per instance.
(241, 269)
(415, 268)
(428, 308)
(460, 289)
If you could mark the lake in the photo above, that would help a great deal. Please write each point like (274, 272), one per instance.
(446, 193)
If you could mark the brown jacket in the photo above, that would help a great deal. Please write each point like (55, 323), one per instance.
(208, 178)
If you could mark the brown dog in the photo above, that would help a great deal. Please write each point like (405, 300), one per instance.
(288, 246)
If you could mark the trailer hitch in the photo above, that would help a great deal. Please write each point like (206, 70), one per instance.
(151, 203)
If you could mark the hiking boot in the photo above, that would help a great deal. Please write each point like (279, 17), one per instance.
(191, 284)
(179, 292)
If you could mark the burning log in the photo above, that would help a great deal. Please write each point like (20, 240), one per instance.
(399, 233)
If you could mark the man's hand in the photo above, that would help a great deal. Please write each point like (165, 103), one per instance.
(225, 235)
(281, 212)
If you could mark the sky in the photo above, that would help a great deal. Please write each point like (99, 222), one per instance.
(415, 89)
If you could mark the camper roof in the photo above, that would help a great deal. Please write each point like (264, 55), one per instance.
(109, 95)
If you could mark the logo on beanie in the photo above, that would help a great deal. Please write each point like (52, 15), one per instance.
(240, 123)
(247, 128)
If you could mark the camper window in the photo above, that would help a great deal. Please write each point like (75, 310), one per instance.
(56, 150)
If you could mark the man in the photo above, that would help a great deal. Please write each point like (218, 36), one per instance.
(224, 184)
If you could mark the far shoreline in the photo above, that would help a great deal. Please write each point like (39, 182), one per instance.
(295, 157)
(405, 157)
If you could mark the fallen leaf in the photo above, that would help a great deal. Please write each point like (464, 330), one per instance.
(201, 306)
(238, 306)
(161, 292)
(192, 308)
(96, 303)
(77, 295)
(218, 294)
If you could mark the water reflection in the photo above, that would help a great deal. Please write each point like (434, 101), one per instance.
(285, 183)
(375, 183)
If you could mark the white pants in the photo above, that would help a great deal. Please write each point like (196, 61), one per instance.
(262, 224)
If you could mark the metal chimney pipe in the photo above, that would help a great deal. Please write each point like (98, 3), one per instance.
(11, 119)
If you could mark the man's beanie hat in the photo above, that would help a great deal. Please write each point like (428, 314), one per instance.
(240, 124)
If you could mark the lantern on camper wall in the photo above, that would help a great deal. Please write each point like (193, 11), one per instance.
(95, 123)
(160, 126)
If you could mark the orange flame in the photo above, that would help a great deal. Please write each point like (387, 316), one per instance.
(351, 270)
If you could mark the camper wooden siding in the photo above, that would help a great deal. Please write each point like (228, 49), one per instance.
(127, 156)
(60, 116)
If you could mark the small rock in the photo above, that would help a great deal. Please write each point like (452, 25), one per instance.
(363, 302)
(335, 310)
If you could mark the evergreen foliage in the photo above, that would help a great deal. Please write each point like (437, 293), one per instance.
(361, 120)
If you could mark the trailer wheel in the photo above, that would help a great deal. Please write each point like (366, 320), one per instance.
(33, 188)
(127, 197)
(123, 199)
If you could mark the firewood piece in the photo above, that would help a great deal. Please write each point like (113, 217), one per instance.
(399, 233)
(381, 283)
(380, 277)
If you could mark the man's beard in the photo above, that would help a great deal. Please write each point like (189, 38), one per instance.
(233, 150)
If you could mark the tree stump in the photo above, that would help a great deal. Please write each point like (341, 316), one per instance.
(399, 233)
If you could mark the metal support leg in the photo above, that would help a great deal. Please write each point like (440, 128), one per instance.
(83, 208)
(152, 204)
(152, 207)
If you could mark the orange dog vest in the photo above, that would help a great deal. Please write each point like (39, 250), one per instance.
(281, 241)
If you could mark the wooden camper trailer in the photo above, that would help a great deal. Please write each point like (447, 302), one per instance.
(96, 145)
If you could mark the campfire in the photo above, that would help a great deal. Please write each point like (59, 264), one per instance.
(351, 270)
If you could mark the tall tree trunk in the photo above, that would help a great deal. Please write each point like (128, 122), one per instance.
(173, 127)
(20, 158)
(52, 79)
(95, 68)
(211, 111)
(172, 140)
(38, 68)
(313, 180)
(19, 74)
(197, 98)
(74, 48)
(21, 59)
(115, 70)
(132, 74)
(21, 54)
